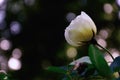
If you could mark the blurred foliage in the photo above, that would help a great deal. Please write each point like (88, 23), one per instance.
(42, 33)
(92, 67)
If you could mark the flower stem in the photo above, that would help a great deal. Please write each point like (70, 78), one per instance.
(106, 51)
(95, 42)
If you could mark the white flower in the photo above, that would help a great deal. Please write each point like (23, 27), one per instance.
(82, 29)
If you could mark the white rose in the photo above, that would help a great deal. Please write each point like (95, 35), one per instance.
(82, 29)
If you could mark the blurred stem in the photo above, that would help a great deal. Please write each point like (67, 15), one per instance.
(106, 51)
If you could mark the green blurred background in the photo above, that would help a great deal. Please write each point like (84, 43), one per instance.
(32, 34)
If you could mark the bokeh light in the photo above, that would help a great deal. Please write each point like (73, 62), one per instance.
(14, 64)
(3, 71)
(118, 2)
(104, 33)
(108, 59)
(29, 2)
(71, 52)
(2, 25)
(115, 53)
(15, 27)
(108, 8)
(102, 42)
(15, 7)
(119, 15)
(5, 44)
(20, 40)
(3, 62)
(70, 16)
(1, 2)
(17, 53)
(2, 15)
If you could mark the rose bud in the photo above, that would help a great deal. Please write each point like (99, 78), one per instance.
(81, 30)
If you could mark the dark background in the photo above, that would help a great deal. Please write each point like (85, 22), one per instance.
(42, 36)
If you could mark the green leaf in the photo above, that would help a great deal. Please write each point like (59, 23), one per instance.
(99, 62)
(56, 69)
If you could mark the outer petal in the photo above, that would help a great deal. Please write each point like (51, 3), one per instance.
(68, 39)
(90, 21)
